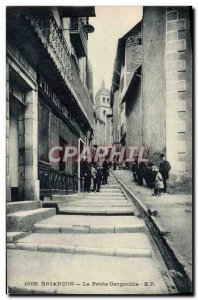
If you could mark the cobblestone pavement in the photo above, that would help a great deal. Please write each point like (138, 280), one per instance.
(174, 213)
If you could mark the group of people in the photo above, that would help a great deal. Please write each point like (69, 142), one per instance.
(94, 175)
(155, 178)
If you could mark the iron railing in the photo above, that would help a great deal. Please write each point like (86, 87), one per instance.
(53, 182)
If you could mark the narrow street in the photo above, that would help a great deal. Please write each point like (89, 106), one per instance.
(97, 234)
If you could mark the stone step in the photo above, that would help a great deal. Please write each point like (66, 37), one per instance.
(67, 197)
(96, 203)
(111, 186)
(97, 210)
(124, 244)
(13, 236)
(81, 196)
(119, 240)
(116, 193)
(89, 224)
(21, 206)
(87, 229)
(110, 190)
(98, 199)
(107, 196)
(94, 274)
(24, 220)
(53, 248)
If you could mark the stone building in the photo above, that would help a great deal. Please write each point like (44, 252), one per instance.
(126, 89)
(167, 88)
(49, 97)
(155, 108)
(103, 112)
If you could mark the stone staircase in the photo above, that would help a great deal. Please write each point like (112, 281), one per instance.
(95, 237)
(21, 216)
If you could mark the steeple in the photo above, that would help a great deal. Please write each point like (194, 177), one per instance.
(103, 84)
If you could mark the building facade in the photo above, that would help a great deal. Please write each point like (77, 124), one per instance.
(155, 99)
(49, 98)
(167, 88)
(126, 89)
(103, 113)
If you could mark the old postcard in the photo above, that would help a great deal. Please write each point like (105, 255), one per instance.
(99, 150)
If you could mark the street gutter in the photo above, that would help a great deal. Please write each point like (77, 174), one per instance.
(174, 261)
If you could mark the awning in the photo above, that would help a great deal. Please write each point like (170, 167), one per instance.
(135, 79)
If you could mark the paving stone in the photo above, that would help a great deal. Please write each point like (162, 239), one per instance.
(97, 210)
(15, 235)
(129, 228)
(102, 229)
(93, 270)
(78, 229)
(62, 220)
(56, 248)
(67, 197)
(46, 228)
(21, 206)
(100, 240)
(95, 251)
(24, 220)
(127, 252)
(99, 203)
(27, 246)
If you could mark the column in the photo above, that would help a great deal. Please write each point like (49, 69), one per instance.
(31, 191)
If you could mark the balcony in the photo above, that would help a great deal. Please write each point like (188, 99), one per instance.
(53, 41)
(78, 37)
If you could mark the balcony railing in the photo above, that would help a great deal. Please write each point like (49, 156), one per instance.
(54, 42)
(78, 36)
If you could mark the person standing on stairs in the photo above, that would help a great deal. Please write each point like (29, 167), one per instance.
(98, 177)
(86, 173)
(105, 167)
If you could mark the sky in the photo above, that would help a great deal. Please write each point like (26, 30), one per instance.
(110, 23)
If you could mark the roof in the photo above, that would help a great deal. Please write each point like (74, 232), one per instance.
(135, 79)
(102, 91)
(77, 11)
(120, 55)
(65, 11)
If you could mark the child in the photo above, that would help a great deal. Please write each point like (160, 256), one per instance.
(159, 185)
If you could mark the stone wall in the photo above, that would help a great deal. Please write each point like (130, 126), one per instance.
(179, 92)
(134, 118)
(133, 105)
(154, 78)
(133, 54)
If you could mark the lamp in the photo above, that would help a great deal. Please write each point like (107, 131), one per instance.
(88, 28)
